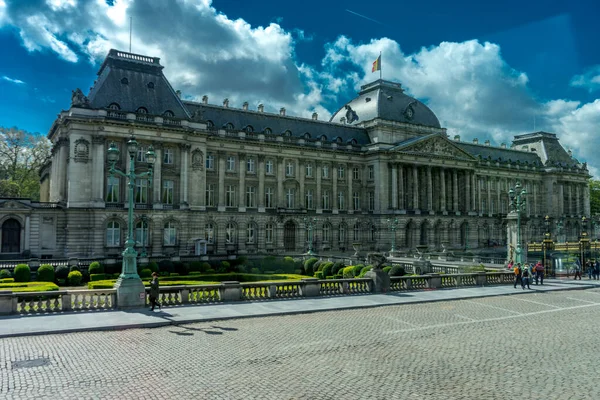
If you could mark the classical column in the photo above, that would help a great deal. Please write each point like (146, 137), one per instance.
(350, 196)
(455, 190)
(467, 175)
(183, 194)
(221, 203)
(534, 189)
(318, 200)
(241, 184)
(401, 192)
(489, 195)
(156, 178)
(474, 204)
(498, 207)
(561, 200)
(442, 191)
(334, 178)
(570, 207)
(577, 200)
(64, 148)
(27, 233)
(301, 171)
(261, 183)
(416, 187)
(98, 143)
(429, 189)
(586, 200)
(394, 186)
(280, 175)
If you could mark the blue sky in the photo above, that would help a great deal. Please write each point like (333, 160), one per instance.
(487, 69)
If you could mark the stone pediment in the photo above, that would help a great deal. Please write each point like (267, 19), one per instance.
(434, 146)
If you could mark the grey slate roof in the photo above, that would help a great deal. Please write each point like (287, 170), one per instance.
(259, 121)
(385, 100)
(139, 72)
(547, 145)
(499, 154)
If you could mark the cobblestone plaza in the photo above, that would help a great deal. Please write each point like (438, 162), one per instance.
(535, 346)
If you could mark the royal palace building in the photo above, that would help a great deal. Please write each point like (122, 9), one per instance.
(230, 180)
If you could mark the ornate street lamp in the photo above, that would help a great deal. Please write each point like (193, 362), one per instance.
(548, 245)
(130, 288)
(144, 237)
(310, 224)
(517, 204)
(393, 224)
(584, 241)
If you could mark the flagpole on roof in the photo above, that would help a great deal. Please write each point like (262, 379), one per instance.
(380, 72)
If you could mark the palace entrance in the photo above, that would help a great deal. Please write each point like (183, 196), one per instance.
(11, 236)
(289, 236)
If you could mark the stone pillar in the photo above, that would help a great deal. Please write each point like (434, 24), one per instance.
(489, 195)
(394, 168)
(474, 205)
(63, 154)
(498, 196)
(334, 178)
(578, 200)
(350, 192)
(401, 192)
(27, 234)
(561, 200)
(416, 188)
(429, 190)
(455, 190)
(241, 184)
(442, 191)
(157, 176)
(468, 191)
(261, 183)
(570, 206)
(586, 200)
(221, 172)
(98, 184)
(183, 184)
(301, 168)
(280, 175)
(319, 199)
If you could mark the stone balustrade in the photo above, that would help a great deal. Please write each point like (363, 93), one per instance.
(25, 303)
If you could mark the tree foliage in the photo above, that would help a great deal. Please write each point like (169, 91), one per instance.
(22, 154)
(595, 197)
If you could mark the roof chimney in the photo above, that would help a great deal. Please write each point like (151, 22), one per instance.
(282, 111)
(226, 103)
(178, 93)
(476, 141)
(261, 108)
(205, 99)
(570, 153)
(487, 142)
(245, 106)
(315, 116)
(503, 145)
(457, 138)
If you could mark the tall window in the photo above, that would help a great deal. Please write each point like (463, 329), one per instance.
(141, 154)
(355, 173)
(230, 196)
(230, 164)
(209, 233)
(371, 172)
(289, 169)
(268, 197)
(141, 191)
(325, 199)
(210, 161)
(141, 233)
(250, 166)
(112, 189)
(309, 199)
(325, 171)
(250, 196)
(168, 155)
(356, 200)
(342, 233)
(167, 194)
(251, 233)
(269, 167)
(341, 172)
(210, 194)
(231, 233)
(170, 234)
(269, 233)
(356, 232)
(341, 201)
(373, 233)
(309, 170)
(371, 201)
(113, 234)
(326, 233)
(289, 197)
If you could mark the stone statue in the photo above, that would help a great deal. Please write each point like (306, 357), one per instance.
(78, 99)
(377, 260)
(197, 115)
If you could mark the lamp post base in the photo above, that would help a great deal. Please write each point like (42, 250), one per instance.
(130, 292)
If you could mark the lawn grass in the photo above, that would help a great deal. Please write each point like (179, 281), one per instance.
(29, 287)
(110, 283)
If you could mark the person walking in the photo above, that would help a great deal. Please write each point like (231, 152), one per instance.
(597, 270)
(525, 277)
(510, 265)
(577, 267)
(539, 273)
(518, 272)
(154, 291)
(590, 269)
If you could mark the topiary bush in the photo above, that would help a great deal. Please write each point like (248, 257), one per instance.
(327, 268)
(180, 268)
(145, 273)
(308, 265)
(5, 274)
(45, 273)
(348, 272)
(397, 270)
(153, 266)
(195, 266)
(319, 275)
(22, 273)
(356, 270)
(74, 268)
(337, 266)
(166, 266)
(98, 277)
(364, 271)
(288, 265)
(255, 271)
(95, 268)
(61, 272)
(75, 278)
(223, 267)
(386, 269)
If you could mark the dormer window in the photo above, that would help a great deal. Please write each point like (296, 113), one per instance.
(150, 85)
(229, 126)
(287, 133)
(142, 110)
(353, 142)
(268, 131)
(338, 139)
(169, 114)
(210, 124)
(125, 81)
(249, 129)
(114, 106)
(306, 136)
(323, 138)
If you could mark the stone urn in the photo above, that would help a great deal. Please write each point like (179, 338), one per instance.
(356, 247)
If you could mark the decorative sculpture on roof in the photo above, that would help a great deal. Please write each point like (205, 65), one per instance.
(409, 111)
(351, 115)
(78, 99)
(197, 115)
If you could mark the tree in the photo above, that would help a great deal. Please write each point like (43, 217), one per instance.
(22, 154)
(595, 197)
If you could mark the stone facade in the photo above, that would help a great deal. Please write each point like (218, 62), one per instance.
(239, 181)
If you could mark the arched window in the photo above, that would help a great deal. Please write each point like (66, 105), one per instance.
(306, 136)
(356, 232)
(251, 233)
(125, 81)
(353, 142)
(142, 110)
(150, 85)
(326, 233)
(231, 233)
(209, 233)
(269, 233)
(287, 133)
(210, 124)
(141, 233)
(169, 114)
(249, 129)
(342, 233)
(373, 233)
(268, 131)
(323, 138)
(114, 106)
(338, 139)
(170, 234)
(113, 234)
(229, 126)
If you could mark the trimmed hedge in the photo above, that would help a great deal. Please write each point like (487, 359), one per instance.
(387, 269)
(61, 272)
(308, 265)
(319, 275)
(153, 266)
(397, 270)
(356, 270)
(4, 274)
(348, 272)
(7, 280)
(339, 265)
(145, 273)
(22, 273)
(45, 273)
(364, 271)
(327, 268)
(97, 277)
(75, 278)
(166, 266)
(29, 287)
(95, 268)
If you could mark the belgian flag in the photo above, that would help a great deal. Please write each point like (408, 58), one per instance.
(377, 64)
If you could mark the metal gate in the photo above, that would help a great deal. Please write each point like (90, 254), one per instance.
(289, 236)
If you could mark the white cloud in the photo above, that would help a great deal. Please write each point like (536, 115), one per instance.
(13, 80)
(589, 80)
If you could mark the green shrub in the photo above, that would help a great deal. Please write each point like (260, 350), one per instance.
(348, 272)
(22, 273)
(113, 268)
(75, 278)
(210, 271)
(145, 273)
(327, 268)
(7, 280)
(397, 270)
(241, 268)
(61, 272)
(115, 275)
(337, 266)
(364, 271)
(166, 266)
(153, 266)
(299, 271)
(269, 263)
(205, 267)
(195, 266)
(45, 273)
(74, 268)
(356, 270)
(330, 277)
(319, 275)
(308, 265)
(288, 265)
(387, 269)
(180, 268)
(96, 268)
(223, 267)
(97, 277)
(174, 274)
(299, 266)
(4, 274)
(255, 271)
